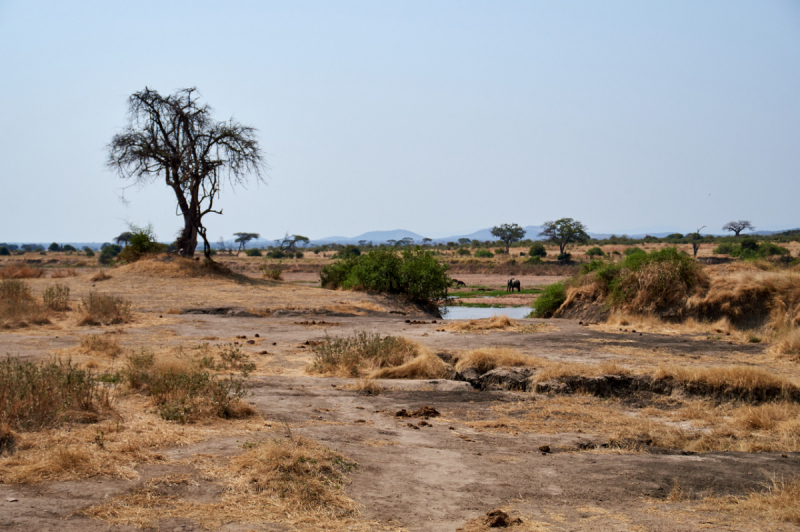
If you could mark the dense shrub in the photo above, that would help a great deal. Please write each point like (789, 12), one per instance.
(595, 252)
(724, 248)
(537, 250)
(253, 252)
(464, 252)
(484, 254)
(647, 281)
(88, 251)
(4, 251)
(276, 254)
(414, 273)
(350, 251)
(750, 249)
(54, 247)
(142, 242)
(633, 251)
(534, 260)
(34, 396)
(68, 247)
(564, 257)
(549, 300)
(109, 253)
(298, 254)
(499, 251)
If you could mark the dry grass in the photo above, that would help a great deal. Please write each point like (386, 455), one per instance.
(104, 309)
(112, 447)
(293, 481)
(34, 396)
(16, 271)
(744, 382)
(787, 343)
(488, 358)
(62, 273)
(554, 370)
(425, 366)
(100, 276)
(170, 266)
(102, 344)
(365, 386)
(780, 501)
(495, 323)
(56, 297)
(17, 306)
(361, 354)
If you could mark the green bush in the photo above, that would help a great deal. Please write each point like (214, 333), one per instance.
(499, 251)
(484, 254)
(548, 302)
(68, 247)
(464, 252)
(414, 273)
(298, 254)
(54, 247)
(595, 252)
(276, 254)
(109, 253)
(253, 252)
(4, 251)
(724, 248)
(350, 251)
(88, 251)
(142, 242)
(537, 250)
(564, 257)
(634, 250)
(534, 260)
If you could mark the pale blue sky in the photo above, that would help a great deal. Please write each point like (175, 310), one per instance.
(436, 117)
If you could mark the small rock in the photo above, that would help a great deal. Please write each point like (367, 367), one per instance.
(360, 421)
(262, 353)
(251, 341)
(257, 336)
(544, 448)
(274, 343)
(11, 499)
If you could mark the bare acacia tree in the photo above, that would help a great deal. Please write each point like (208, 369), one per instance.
(696, 239)
(738, 226)
(174, 138)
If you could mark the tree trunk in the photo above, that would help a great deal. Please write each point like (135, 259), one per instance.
(188, 240)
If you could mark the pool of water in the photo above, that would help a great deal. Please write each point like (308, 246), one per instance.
(472, 313)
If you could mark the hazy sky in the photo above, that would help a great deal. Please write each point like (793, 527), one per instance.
(437, 117)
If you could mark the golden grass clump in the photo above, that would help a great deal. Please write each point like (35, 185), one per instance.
(426, 366)
(102, 344)
(365, 386)
(99, 276)
(62, 273)
(495, 323)
(746, 380)
(780, 501)
(295, 481)
(559, 370)
(787, 343)
(488, 358)
(16, 271)
(361, 354)
(173, 267)
(104, 309)
(17, 306)
(56, 297)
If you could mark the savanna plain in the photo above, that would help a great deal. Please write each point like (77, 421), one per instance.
(169, 394)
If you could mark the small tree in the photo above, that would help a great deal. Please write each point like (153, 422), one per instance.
(464, 241)
(244, 238)
(508, 234)
(695, 239)
(537, 250)
(54, 247)
(563, 232)
(123, 238)
(738, 226)
(289, 243)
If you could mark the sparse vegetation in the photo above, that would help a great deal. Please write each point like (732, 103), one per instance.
(484, 254)
(143, 241)
(18, 307)
(56, 297)
(34, 396)
(361, 353)
(104, 309)
(549, 301)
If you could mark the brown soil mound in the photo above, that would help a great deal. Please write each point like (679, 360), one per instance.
(174, 267)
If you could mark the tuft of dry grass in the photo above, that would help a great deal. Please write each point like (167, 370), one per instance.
(17, 306)
(62, 273)
(103, 344)
(16, 271)
(104, 309)
(558, 370)
(56, 297)
(488, 358)
(787, 343)
(780, 501)
(744, 382)
(365, 386)
(360, 354)
(425, 366)
(34, 396)
(100, 276)
(495, 323)
(295, 481)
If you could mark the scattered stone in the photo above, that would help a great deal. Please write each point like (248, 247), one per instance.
(360, 421)
(257, 336)
(544, 448)
(274, 343)
(423, 412)
(412, 426)
(12, 499)
(500, 519)
(424, 423)
(251, 341)
(263, 353)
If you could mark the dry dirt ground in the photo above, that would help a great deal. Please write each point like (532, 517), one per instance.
(481, 453)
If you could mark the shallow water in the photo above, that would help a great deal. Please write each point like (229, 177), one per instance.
(472, 313)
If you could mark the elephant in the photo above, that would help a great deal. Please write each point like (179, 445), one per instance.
(512, 284)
